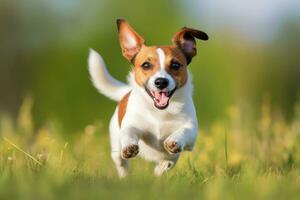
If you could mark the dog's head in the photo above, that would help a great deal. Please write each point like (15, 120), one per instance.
(160, 70)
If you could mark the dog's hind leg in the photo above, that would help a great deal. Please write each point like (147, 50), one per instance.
(121, 164)
(163, 166)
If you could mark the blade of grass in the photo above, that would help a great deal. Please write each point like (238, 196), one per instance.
(18, 148)
(226, 150)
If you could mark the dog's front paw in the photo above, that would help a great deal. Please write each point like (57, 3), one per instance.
(172, 146)
(130, 151)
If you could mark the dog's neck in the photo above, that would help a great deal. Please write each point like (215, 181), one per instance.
(178, 101)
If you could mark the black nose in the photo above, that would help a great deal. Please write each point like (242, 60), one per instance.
(161, 83)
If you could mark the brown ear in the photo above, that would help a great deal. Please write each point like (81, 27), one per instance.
(185, 40)
(131, 42)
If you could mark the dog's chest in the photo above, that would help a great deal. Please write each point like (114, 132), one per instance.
(162, 126)
(159, 124)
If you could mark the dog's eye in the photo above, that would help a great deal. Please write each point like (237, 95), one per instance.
(146, 65)
(175, 65)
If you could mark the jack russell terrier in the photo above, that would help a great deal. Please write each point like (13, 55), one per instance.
(155, 117)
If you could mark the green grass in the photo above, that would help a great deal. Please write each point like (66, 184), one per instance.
(238, 158)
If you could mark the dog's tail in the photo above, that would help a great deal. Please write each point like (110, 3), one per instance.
(103, 81)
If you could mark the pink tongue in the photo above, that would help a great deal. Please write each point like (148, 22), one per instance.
(161, 98)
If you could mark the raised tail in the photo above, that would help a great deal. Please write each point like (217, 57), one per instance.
(103, 81)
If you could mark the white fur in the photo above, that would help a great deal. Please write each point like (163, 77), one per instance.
(162, 57)
(146, 126)
(161, 73)
(103, 81)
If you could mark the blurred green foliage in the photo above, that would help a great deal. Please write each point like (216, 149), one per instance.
(44, 49)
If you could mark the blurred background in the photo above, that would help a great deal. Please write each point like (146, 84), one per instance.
(252, 54)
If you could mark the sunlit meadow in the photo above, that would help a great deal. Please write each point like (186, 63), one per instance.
(236, 158)
(54, 142)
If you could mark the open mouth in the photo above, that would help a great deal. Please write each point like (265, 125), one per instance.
(160, 97)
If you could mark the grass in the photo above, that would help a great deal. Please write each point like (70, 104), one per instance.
(237, 158)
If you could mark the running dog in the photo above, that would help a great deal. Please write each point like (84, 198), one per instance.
(155, 117)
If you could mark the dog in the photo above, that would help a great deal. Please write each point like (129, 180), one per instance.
(155, 117)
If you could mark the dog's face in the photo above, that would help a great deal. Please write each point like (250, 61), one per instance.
(160, 70)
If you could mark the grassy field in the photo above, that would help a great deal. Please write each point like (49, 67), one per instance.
(237, 158)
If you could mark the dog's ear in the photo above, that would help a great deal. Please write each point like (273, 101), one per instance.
(131, 42)
(185, 40)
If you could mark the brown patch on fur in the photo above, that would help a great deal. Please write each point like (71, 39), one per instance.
(131, 42)
(185, 40)
(122, 108)
(149, 54)
(172, 53)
